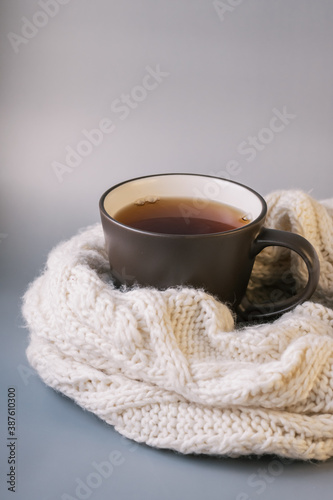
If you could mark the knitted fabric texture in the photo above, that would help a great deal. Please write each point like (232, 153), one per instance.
(172, 369)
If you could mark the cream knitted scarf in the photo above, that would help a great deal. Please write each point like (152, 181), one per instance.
(171, 368)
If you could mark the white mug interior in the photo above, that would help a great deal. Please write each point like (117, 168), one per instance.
(198, 188)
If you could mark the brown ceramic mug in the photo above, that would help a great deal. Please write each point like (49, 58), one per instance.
(219, 261)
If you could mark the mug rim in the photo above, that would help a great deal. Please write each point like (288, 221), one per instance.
(256, 220)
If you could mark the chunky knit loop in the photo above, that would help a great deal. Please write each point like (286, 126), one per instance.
(172, 369)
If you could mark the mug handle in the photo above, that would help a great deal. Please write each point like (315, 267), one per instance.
(274, 237)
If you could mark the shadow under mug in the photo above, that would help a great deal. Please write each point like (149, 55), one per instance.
(220, 263)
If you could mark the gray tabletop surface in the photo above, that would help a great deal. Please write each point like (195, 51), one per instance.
(220, 74)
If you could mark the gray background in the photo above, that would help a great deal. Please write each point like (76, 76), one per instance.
(226, 75)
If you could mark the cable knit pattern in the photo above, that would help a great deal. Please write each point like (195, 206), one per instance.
(171, 369)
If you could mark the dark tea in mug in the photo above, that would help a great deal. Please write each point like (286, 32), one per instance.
(176, 215)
